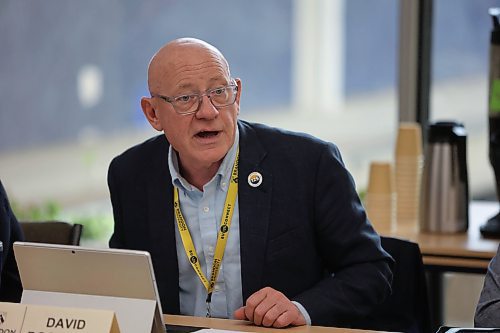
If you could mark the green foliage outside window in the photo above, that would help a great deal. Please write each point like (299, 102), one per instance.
(97, 226)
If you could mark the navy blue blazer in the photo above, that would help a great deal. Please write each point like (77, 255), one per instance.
(303, 231)
(10, 231)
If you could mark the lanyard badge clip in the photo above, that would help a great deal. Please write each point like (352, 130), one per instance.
(209, 299)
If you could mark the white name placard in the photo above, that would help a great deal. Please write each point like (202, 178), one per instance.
(27, 318)
(11, 317)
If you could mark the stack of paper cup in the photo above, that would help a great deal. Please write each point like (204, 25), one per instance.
(380, 197)
(409, 166)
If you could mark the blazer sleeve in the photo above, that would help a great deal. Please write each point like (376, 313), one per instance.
(10, 282)
(116, 240)
(359, 270)
(488, 307)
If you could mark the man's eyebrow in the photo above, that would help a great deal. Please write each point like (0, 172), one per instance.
(186, 86)
(217, 79)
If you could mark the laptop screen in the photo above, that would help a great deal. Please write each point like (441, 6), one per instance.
(63, 270)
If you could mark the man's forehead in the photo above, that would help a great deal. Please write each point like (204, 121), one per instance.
(180, 71)
(185, 51)
(186, 55)
(193, 57)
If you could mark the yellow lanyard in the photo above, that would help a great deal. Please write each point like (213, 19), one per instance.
(187, 241)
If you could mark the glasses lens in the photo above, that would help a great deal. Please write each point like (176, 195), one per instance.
(185, 103)
(223, 96)
(219, 97)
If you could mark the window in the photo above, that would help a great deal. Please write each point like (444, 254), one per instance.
(459, 89)
(72, 81)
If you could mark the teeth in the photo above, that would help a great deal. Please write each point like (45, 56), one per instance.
(207, 133)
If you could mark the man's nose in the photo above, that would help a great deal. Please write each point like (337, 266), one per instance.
(206, 110)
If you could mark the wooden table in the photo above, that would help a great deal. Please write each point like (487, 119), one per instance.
(245, 326)
(458, 252)
(466, 252)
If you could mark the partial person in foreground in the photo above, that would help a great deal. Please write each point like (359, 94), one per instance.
(488, 307)
(10, 231)
(242, 220)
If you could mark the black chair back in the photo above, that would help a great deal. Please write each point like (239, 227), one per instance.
(407, 308)
(52, 232)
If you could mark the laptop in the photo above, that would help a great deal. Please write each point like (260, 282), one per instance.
(74, 276)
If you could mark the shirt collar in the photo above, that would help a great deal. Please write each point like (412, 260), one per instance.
(223, 173)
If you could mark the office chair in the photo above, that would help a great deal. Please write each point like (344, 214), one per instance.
(407, 308)
(52, 232)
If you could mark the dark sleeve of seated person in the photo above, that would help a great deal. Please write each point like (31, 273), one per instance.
(10, 231)
(488, 307)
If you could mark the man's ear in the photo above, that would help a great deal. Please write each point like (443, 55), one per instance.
(150, 113)
(238, 83)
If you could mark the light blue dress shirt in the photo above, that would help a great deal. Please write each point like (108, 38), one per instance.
(202, 212)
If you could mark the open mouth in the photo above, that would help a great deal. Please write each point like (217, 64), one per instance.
(207, 134)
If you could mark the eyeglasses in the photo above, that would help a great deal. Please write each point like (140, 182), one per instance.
(188, 104)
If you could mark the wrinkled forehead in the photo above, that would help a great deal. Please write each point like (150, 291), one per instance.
(179, 61)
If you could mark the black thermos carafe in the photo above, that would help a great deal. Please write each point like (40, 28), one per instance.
(444, 202)
(492, 227)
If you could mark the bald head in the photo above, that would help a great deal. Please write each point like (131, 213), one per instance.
(178, 54)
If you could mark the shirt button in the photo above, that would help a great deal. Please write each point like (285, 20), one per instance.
(224, 184)
(206, 209)
(210, 250)
(219, 286)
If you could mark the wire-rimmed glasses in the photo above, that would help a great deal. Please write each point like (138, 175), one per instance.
(189, 103)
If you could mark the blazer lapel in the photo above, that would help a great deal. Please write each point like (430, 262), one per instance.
(161, 228)
(254, 209)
